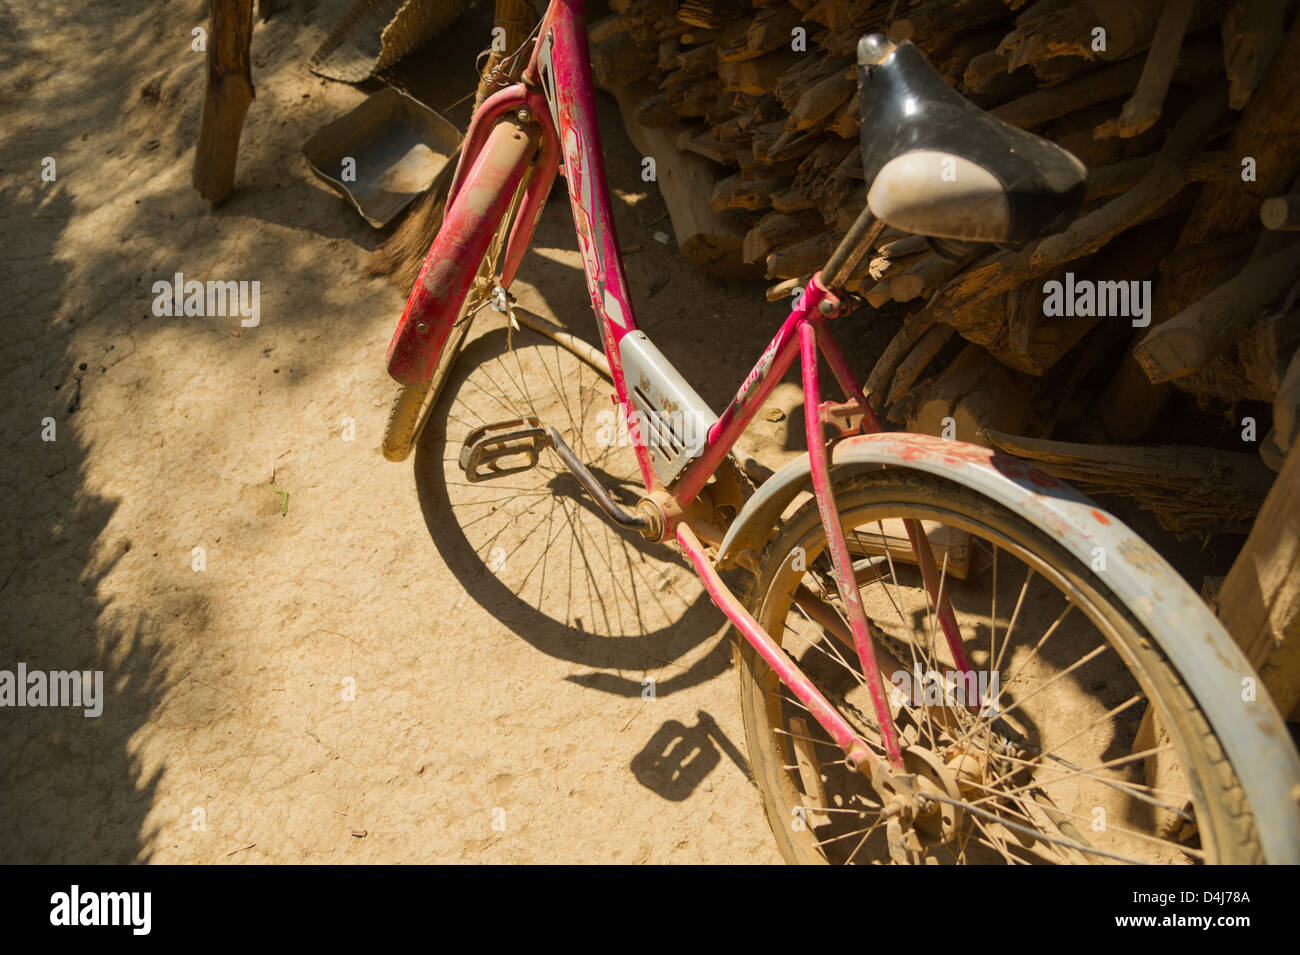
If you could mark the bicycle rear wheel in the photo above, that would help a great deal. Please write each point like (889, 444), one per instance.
(1096, 752)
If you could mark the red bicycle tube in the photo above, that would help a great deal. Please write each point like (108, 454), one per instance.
(839, 548)
(862, 758)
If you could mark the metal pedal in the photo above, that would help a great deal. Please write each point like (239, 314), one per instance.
(485, 447)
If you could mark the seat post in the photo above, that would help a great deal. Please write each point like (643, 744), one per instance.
(853, 248)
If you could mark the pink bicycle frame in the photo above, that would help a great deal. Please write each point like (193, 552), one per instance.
(557, 90)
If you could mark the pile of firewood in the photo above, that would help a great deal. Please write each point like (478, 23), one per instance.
(1187, 115)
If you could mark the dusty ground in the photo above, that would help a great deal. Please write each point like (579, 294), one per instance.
(225, 735)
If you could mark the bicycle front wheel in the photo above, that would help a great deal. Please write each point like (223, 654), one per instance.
(1071, 740)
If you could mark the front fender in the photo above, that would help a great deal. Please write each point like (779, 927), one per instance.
(1206, 657)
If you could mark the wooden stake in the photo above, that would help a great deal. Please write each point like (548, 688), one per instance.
(1259, 602)
(226, 98)
(1148, 99)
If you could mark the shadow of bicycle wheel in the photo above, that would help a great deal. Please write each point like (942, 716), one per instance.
(534, 551)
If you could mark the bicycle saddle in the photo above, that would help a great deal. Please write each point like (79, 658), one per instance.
(938, 165)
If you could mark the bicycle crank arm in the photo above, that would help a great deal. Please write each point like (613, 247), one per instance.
(509, 447)
(611, 508)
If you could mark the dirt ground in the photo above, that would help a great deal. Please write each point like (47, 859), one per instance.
(474, 736)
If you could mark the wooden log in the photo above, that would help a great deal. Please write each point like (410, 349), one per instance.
(1068, 32)
(792, 145)
(758, 75)
(937, 25)
(801, 258)
(953, 60)
(877, 295)
(1114, 178)
(877, 273)
(1162, 183)
(1216, 250)
(751, 37)
(1129, 405)
(1286, 409)
(822, 99)
(735, 192)
(777, 230)
(708, 239)
(791, 200)
(1035, 343)
(1143, 108)
(669, 51)
(1192, 491)
(914, 328)
(917, 360)
(786, 288)
(990, 73)
(1212, 166)
(805, 73)
(1264, 350)
(899, 246)
(830, 193)
(633, 10)
(1067, 408)
(1259, 602)
(1205, 328)
(226, 98)
(699, 140)
(711, 14)
(851, 208)
(693, 100)
(698, 60)
(1098, 86)
(1024, 309)
(847, 123)
(1269, 133)
(976, 392)
(921, 279)
(1281, 213)
(1252, 33)
(615, 59)
(654, 111)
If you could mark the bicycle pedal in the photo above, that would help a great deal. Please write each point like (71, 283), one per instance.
(485, 448)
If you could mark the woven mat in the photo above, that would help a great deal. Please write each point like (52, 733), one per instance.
(375, 34)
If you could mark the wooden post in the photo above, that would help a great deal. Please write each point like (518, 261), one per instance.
(1259, 602)
(516, 18)
(225, 102)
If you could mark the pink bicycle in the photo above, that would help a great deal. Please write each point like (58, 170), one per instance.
(947, 655)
